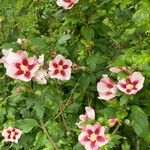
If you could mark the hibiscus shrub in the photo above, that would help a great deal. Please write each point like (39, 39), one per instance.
(74, 74)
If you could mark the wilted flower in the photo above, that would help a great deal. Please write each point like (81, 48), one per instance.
(132, 84)
(112, 121)
(120, 69)
(93, 137)
(115, 69)
(66, 4)
(41, 76)
(106, 88)
(60, 68)
(11, 134)
(88, 116)
(21, 41)
(18, 65)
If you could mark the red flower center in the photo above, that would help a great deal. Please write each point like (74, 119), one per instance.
(60, 68)
(12, 133)
(24, 68)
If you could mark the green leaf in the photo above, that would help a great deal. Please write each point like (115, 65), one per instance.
(114, 140)
(123, 100)
(63, 39)
(140, 121)
(26, 125)
(88, 32)
(125, 146)
(93, 60)
(40, 140)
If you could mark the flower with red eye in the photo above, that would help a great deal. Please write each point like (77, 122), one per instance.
(66, 4)
(11, 134)
(93, 137)
(106, 88)
(60, 68)
(132, 84)
(19, 66)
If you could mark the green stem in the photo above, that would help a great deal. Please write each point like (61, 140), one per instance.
(48, 136)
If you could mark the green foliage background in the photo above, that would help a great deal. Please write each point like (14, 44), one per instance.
(94, 34)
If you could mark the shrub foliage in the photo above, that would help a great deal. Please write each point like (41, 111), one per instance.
(94, 35)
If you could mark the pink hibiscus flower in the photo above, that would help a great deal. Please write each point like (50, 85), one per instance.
(66, 4)
(93, 137)
(60, 68)
(106, 88)
(88, 116)
(19, 66)
(132, 84)
(11, 134)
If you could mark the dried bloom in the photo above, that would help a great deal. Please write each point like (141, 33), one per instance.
(112, 121)
(115, 69)
(21, 41)
(120, 69)
(41, 76)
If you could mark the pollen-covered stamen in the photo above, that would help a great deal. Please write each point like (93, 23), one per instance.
(23, 67)
(130, 86)
(93, 137)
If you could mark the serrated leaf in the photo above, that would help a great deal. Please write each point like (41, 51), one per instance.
(40, 140)
(123, 100)
(140, 121)
(87, 32)
(63, 39)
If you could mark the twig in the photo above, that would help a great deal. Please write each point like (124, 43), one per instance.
(116, 129)
(48, 136)
(68, 101)
(137, 145)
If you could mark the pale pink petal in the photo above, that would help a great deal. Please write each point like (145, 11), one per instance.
(138, 77)
(68, 62)
(106, 96)
(41, 76)
(91, 146)
(67, 76)
(76, 1)
(90, 113)
(41, 60)
(82, 117)
(102, 88)
(58, 58)
(102, 140)
(83, 138)
(12, 58)
(59, 3)
(98, 129)
(22, 54)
